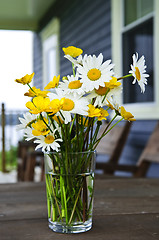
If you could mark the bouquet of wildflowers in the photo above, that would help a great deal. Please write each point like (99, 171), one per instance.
(68, 113)
(66, 117)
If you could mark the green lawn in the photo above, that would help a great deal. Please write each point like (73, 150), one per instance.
(11, 159)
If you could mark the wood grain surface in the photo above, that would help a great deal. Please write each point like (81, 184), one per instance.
(124, 209)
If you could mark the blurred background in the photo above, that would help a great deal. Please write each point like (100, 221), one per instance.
(32, 34)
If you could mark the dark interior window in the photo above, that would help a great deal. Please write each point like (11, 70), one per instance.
(140, 40)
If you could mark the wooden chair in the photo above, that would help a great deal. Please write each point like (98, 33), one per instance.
(112, 145)
(149, 155)
(28, 158)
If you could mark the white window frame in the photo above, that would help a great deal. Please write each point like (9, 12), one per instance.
(50, 40)
(144, 110)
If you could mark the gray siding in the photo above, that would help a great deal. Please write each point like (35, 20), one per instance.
(86, 24)
(83, 23)
(37, 60)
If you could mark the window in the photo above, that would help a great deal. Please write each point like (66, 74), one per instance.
(138, 37)
(136, 9)
(50, 58)
(135, 29)
(50, 44)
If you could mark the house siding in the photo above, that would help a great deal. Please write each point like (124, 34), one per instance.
(37, 60)
(85, 24)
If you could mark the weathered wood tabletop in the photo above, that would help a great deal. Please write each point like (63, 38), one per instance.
(124, 209)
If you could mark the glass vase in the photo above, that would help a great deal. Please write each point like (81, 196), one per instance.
(69, 189)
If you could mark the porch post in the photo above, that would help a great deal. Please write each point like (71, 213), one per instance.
(3, 139)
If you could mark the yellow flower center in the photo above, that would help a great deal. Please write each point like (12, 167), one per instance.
(101, 90)
(75, 84)
(94, 74)
(49, 139)
(137, 73)
(67, 104)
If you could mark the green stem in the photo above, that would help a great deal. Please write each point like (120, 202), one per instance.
(108, 126)
(62, 196)
(105, 95)
(106, 132)
(85, 144)
(95, 135)
(73, 70)
(126, 76)
(72, 124)
(31, 88)
(46, 123)
(74, 207)
(85, 199)
(54, 194)
(77, 131)
(65, 204)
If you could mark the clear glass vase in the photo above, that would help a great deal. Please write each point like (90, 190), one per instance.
(70, 188)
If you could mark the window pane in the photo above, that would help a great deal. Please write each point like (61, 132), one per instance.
(135, 9)
(51, 64)
(140, 40)
(146, 7)
(130, 7)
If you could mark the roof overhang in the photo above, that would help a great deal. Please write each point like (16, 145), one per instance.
(23, 14)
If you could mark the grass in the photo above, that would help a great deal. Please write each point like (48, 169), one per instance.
(11, 159)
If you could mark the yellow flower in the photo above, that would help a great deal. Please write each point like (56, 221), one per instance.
(126, 115)
(93, 112)
(39, 104)
(26, 79)
(36, 92)
(108, 85)
(103, 114)
(72, 51)
(40, 128)
(54, 83)
(102, 90)
(112, 83)
(54, 106)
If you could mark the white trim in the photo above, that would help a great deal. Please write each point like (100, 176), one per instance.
(50, 39)
(137, 22)
(116, 6)
(140, 110)
(49, 57)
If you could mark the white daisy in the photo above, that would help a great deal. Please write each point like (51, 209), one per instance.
(48, 142)
(26, 121)
(113, 103)
(72, 85)
(94, 73)
(78, 61)
(138, 71)
(71, 105)
(99, 94)
(28, 134)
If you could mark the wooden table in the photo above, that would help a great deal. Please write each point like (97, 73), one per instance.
(124, 209)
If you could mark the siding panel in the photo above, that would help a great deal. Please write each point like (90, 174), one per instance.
(37, 60)
(85, 24)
